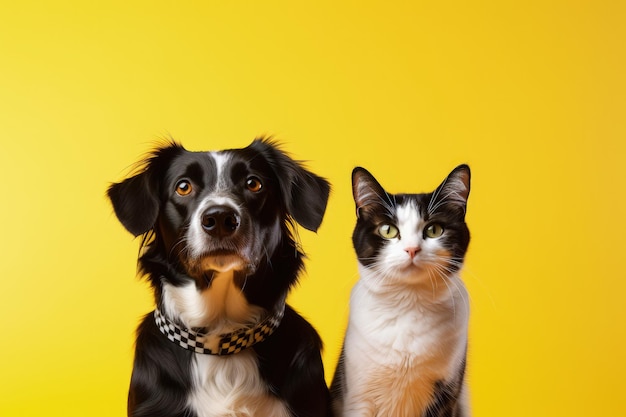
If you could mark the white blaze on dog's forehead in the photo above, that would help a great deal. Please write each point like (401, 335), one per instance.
(221, 158)
(214, 199)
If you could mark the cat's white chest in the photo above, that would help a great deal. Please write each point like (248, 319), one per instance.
(392, 326)
(409, 313)
(395, 352)
(388, 333)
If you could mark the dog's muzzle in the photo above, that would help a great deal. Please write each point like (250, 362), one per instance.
(219, 239)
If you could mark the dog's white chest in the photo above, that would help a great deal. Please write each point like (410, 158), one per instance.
(231, 386)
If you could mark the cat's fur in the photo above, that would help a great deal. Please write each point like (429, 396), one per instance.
(405, 346)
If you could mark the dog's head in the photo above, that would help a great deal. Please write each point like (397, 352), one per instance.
(219, 211)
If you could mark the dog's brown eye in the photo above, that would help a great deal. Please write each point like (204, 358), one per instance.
(183, 188)
(254, 184)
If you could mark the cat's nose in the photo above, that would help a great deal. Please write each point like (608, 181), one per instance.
(413, 251)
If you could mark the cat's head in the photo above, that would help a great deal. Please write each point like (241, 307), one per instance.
(411, 237)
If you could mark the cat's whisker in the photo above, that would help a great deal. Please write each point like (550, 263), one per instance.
(443, 274)
(433, 283)
(463, 294)
(440, 269)
(469, 275)
(452, 298)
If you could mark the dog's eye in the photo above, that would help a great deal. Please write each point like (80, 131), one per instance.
(183, 188)
(254, 184)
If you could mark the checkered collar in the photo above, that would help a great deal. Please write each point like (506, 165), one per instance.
(219, 344)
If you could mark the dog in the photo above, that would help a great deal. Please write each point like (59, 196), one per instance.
(218, 249)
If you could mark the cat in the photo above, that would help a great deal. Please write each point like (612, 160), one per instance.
(405, 346)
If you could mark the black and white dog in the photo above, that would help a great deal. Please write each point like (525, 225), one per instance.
(220, 256)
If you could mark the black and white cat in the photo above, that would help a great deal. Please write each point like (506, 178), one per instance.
(405, 346)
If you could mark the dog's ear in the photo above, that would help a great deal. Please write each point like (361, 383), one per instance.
(308, 198)
(135, 202)
(136, 199)
(305, 193)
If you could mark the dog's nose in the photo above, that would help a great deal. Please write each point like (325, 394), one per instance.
(220, 221)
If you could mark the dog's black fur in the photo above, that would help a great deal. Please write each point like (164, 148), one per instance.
(289, 360)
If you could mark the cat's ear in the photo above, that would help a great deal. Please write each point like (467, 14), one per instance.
(455, 188)
(367, 192)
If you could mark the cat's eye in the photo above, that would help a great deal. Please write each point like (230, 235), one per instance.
(388, 231)
(433, 231)
(254, 184)
(183, 188)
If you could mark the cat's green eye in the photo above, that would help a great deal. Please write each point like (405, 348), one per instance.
(433, 231)
(388, 231)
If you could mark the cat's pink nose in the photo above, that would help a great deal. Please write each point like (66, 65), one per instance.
(413, 251)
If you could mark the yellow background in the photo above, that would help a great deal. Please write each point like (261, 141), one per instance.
(530, 94)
